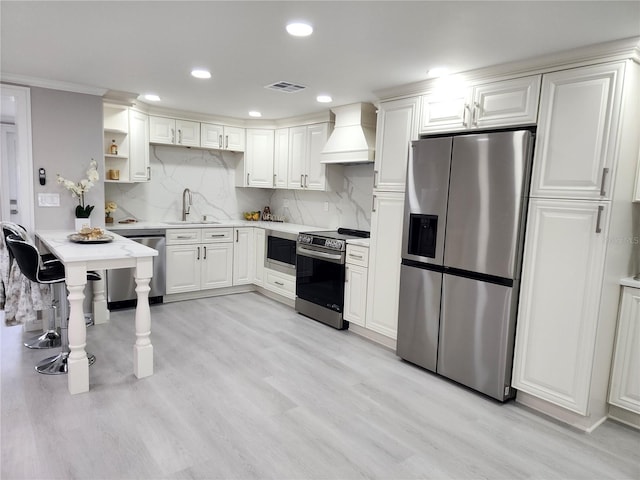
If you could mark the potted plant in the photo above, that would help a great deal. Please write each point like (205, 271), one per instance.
(83, 211)
(109, 208)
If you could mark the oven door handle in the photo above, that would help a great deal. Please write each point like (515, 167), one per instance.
(316, 254)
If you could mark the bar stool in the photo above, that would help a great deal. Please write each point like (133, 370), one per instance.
(50, 338)
(51, 272)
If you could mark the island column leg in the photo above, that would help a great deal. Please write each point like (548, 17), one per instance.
(100, 311)
(77, 361)
(143, 350)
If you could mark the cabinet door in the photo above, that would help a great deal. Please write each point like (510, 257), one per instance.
(445, 111)
(297, 157)
(355, 294)
(187, 133)
(625, 375)
(559, 301)
(183, 268)
(259, 158)
(211, 136)
(234, 139)
(317, 136)
(281, 158)
(384, 263)
(259, 253)
(243, 256)
(397, 127)
(139, 170)
(216, 265)
(578, 122)
(511, 102)
(162, 130)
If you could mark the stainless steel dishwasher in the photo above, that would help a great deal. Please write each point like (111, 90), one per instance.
(121, 285)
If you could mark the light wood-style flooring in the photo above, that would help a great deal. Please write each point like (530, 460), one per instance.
(246, 388)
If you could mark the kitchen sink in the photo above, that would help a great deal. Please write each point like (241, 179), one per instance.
(193, 222)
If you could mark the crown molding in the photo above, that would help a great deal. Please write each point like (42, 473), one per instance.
(51, 84)
(624, 49)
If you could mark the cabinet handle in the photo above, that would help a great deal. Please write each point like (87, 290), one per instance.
(217, 235)
(306, 181)
(173, 136)
(278, 283)
(248, 178)
(301, 181)
(375, 179)
(356, 256)
(219, 141)
(464, 115)
(598, 228)
(198, 257)
(148, 173)
(180, 135)
(184, 237)
(274, 179)
(476, 113)
(346, 274)
(236, 236)
(373, 204)
(205, 252)
(226, 141)
(605, 172)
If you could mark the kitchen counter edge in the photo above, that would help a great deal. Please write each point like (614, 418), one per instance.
(275, 226)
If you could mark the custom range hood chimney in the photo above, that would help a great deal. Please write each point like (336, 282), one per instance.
(353, 139)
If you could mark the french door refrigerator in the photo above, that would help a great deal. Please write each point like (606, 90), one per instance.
(465, 205)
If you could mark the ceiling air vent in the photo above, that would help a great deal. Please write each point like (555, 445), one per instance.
(286, 87)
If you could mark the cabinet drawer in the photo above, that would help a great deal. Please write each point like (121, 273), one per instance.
(280, 283)
(217, 235)
(357, 255)
(183, 235)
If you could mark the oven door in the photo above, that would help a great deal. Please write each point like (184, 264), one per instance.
(320, 277)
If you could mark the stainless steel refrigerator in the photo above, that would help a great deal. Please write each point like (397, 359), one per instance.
(465, 206)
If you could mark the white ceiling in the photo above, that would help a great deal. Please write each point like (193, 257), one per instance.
(356, 48)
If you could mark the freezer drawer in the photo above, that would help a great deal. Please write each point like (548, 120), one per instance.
(476, 335)
(418, 316)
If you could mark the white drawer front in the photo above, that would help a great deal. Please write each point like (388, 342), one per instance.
(215, 235)
(357, 255)
(280, 283)
(183, 235)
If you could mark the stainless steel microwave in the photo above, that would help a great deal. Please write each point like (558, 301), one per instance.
(280, 251)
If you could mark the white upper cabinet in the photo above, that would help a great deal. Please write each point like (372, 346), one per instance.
(170, 131)
(222, 137)
(258, 158)
(577, 131)
(281, 158)
(397, 127)
(305, 146)
(496, 104)
(139, 170)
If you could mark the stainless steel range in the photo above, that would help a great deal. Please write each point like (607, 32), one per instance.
(320, 270)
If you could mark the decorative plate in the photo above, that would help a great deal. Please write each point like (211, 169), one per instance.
(79, 238)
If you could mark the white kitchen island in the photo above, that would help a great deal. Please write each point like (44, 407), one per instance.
(80, 258)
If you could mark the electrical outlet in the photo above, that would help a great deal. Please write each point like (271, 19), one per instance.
(48, 199)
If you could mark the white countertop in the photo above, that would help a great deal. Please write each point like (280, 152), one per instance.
(630, 282)
(276, 226)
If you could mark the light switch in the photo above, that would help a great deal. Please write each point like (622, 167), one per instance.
(48, 199)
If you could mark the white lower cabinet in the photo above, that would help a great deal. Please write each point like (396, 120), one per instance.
(243, 256)
(384, 263)
(625, 374)
(259, 234)
(280, 283)
(355, 284)
(198, 259)
(562, 277)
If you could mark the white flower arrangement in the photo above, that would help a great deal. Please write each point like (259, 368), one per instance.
(110, 207)
(80, 188)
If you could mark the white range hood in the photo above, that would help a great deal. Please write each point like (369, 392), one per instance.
(353, 138)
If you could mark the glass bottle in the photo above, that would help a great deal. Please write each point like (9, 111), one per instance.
(114, 148)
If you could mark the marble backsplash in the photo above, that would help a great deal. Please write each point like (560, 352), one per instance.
(210, 175)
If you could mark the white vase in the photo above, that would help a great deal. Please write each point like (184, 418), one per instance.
(82, 223)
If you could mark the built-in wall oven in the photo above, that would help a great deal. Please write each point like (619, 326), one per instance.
(280, 251)
(320, 272)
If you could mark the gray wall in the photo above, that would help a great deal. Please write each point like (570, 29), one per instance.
(67, 134)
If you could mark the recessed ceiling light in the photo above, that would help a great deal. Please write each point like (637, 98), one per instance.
(324, 99)
(299, 29)
(152, 97)
(199, 73)
(438, 72)
(254, 113)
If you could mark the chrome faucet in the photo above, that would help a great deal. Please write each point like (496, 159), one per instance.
(187, 201)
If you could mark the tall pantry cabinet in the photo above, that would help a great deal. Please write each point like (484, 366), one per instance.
(576, 250)
(397, 126)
